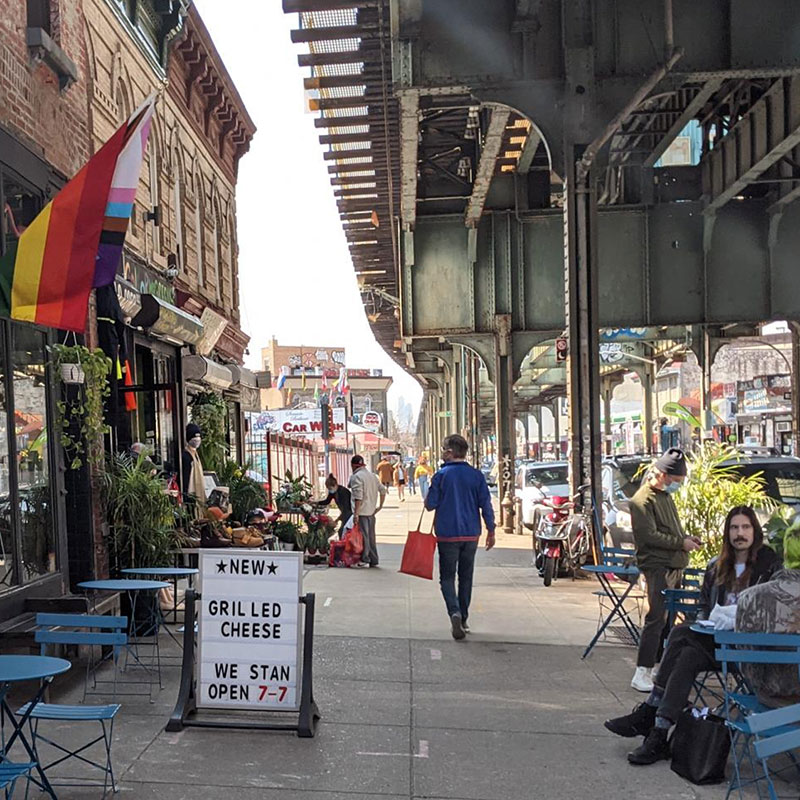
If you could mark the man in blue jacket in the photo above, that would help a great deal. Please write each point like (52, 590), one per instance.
(459, 495)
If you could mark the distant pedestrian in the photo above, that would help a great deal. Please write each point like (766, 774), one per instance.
(459, 496)
(662, 553)
(368, 495)
(412, 483)
(423, 475)
(400, 480)
(341, 496)
(385, 471)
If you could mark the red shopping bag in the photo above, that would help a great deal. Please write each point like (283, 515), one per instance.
(354, 541)
(418, 553)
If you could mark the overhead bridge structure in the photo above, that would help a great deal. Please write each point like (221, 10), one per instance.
(497, 165)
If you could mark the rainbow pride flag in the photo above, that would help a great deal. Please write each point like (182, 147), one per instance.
(75, 242)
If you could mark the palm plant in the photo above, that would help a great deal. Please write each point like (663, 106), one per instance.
(712, 488)
(139, 513)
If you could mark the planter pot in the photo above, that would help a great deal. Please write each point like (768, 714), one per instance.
(73, 374)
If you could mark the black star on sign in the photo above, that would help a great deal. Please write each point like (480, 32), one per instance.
(220, 566)
(272, 567)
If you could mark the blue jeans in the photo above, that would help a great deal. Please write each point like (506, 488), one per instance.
(456, 558)
(423, 486)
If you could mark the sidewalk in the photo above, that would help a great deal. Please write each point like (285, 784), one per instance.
(511, 713)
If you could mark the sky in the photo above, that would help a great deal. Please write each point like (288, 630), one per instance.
(296, 280)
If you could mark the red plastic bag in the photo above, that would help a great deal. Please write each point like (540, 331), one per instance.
(418, 553)
(354, 541)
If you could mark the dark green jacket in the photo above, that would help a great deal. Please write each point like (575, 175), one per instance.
(657, 530)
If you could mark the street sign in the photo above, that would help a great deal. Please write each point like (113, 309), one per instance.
(249, 630)
(299, 422)
(444, 414)
(561, 348)
(371, 420)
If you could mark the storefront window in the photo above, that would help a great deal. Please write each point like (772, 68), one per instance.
(6, 500)
(32, 462)
(20, 205)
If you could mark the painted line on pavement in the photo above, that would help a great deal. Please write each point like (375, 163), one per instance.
(423, 752)
(328, 601)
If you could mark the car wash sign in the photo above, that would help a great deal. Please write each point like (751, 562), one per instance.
(301, 421)
(249, 630)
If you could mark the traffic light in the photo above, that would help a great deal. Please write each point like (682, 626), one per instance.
(327, 420)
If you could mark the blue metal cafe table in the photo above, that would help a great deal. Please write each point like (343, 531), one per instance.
(16, 669)
(136, 631)
(166, 572)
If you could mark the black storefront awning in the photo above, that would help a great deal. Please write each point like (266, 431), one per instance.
(164, 319)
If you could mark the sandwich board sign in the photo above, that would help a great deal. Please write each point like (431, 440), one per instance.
(254, 641)
(249, 626)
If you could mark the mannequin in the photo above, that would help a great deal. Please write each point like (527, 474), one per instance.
(191, 466)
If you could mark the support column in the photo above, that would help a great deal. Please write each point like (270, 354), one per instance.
(607, 393)
(539, 436)
(583, 378)
(704, 362)
(557, 427)
(794, 328)
(647, 377)
(504, 413)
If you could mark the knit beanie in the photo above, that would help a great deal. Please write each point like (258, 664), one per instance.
(192, 430)
(672, 462)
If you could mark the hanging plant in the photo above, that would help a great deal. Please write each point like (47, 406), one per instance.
(80, 417)
(210, 412)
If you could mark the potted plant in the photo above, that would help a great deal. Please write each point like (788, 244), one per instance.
(293, 494)
(80, 414)
(245, 493)
(210, 412)
(287, 532)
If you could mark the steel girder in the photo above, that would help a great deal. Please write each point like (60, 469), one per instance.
(661, 265)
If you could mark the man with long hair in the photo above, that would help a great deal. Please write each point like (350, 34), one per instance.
(744, 561)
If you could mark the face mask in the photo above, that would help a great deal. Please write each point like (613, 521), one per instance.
(195, 442)
(331, 491)
(672, 488)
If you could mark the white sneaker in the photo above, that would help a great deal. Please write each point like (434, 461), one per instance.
(643, 679)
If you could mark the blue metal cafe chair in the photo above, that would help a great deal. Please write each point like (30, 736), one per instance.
(735, 649)
(776, 732)
(617, 563)
(80, 630)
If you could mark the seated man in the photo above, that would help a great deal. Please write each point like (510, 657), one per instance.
(744, 561)
(774, 607)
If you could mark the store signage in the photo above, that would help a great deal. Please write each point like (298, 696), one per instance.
(130, 299)
(249, 630)
(213, 326)
(146, 281)
(371, 420)
(299, 421)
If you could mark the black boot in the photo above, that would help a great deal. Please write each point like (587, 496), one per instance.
(637, 723)
(654, 748)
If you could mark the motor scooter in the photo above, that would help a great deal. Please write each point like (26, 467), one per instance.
(561, 537)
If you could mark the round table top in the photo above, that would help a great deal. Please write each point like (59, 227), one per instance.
(124, 585)
(177, 572)
(29, 668)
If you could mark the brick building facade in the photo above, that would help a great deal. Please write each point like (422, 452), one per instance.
(71, 71)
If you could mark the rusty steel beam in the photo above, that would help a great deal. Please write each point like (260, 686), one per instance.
(492, 143)
(298, 6)
(347, 57)
(344, 138)
(679, 123)
(769, 131)
(368, 75)
(335, 32)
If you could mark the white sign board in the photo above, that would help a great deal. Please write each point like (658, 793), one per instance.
(371, 420)
(300, 421)
(249, 630)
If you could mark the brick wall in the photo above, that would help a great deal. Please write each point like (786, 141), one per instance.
(51, 122)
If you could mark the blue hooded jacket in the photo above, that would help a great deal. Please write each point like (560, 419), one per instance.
(459, 495)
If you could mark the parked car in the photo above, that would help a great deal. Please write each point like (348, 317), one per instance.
(537, 480)
(621, 476)
(781, 475)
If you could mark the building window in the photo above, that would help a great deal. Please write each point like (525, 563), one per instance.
(155, 194)
(198, 228)
(217, 259)
(39, 14)
(177, 200)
